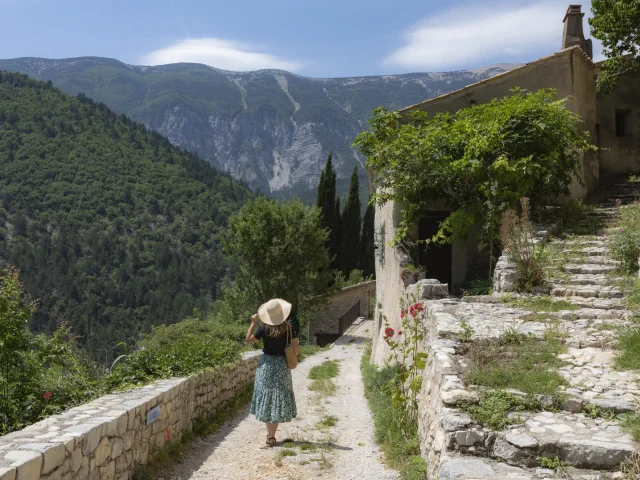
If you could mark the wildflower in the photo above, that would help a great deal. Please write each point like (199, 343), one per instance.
(167, 432)
(47, 396)
(399, 332)
(388, 332)
(635, 202)
(418, 307)
(618, 201)
(402, 313)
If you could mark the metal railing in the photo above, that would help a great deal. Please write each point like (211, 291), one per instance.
(348, 318)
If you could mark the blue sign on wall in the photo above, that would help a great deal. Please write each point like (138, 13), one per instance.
(153, 415)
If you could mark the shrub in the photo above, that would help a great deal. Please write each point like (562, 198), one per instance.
(625, 241)
(481, 159)
(187, 355)
(516, 234)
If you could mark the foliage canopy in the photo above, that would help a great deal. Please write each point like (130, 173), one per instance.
(280, 250)
(616, 23)
(480, 160)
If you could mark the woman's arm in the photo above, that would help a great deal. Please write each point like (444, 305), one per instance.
(250, 338)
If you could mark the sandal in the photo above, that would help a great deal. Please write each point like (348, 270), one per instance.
(271, 441)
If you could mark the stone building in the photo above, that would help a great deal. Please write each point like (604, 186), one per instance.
(612, 120)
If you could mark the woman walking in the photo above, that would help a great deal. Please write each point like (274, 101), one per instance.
(273, 399)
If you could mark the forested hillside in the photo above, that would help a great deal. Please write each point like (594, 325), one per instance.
(113, 228)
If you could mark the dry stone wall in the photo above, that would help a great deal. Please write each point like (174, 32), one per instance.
(106, 438)
(327, 320)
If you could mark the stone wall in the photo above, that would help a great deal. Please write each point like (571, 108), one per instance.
(326, 321)
(105, 438)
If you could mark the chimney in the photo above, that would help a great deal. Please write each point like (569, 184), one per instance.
(573, 33)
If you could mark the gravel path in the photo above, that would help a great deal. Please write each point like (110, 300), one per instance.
(344, 451)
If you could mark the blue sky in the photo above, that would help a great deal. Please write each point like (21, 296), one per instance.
(323, 38)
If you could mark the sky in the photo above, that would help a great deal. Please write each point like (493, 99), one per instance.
(320, 38)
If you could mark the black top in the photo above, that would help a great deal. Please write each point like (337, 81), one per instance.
(275, 346)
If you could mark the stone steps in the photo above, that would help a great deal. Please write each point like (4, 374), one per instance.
(574, 438)
(589, 268)
(586, 291)
(589, 279)
(597, 303)
(458, 467)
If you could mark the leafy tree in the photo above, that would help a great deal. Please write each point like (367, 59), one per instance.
(367, 248)
(280, 249)
(617, 24)
(481, 160)
(351, 227)
(326, 203)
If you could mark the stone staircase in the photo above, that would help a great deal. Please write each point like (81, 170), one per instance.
(581, 438)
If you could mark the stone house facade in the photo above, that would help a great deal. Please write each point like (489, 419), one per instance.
(612, 120)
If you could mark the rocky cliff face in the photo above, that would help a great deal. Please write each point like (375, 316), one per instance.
(271, 128)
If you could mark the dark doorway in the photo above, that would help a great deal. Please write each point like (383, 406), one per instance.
(436, 258)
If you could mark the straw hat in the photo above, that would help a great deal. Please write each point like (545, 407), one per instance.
(274, 312)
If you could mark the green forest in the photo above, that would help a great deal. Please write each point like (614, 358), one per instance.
(112, 228)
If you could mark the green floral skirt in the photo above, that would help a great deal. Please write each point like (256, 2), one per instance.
(273, 399)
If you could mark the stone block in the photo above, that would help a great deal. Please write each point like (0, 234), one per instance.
(117, 447)
(108, 471)
(55, 475)
(7, 473)
(521, 440)
(76, 460)
(102, 451)
(468, 438)
(27, 463)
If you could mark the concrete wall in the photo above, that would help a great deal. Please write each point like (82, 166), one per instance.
(621, 154)
(326, 321)
(104, 439)
(570, 72)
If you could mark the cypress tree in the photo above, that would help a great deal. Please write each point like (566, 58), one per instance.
(351, 227)
(326, 203)
(337, 230)
(367, 250)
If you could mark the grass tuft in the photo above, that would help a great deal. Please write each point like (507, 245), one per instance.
(516, 361)
(629, 344)
(327, 421)
(540, 304)
(324, 371)
(496, 407)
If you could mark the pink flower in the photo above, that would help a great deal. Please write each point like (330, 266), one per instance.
(635, 202)
(400, 332)
(418, 307)
(388, 332)
(402, 313)
(47, 396)
(618, 201)
(167, 432)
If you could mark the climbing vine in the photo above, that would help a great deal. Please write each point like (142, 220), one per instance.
(480, 160)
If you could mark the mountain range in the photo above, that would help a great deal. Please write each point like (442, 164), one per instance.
(271, 128)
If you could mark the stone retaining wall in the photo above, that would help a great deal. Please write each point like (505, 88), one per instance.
(326, 321)
(106, 438)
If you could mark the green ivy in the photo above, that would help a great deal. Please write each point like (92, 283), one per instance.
(480, 160)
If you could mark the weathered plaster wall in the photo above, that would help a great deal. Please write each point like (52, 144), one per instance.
(389, 285)
(104, 439)
(620, 154)
(570, 72)
(326, 321)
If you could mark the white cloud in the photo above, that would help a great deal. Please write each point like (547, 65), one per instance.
(218, 53)
(462, 36)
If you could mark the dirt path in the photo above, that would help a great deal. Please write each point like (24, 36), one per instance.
(345, 450)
